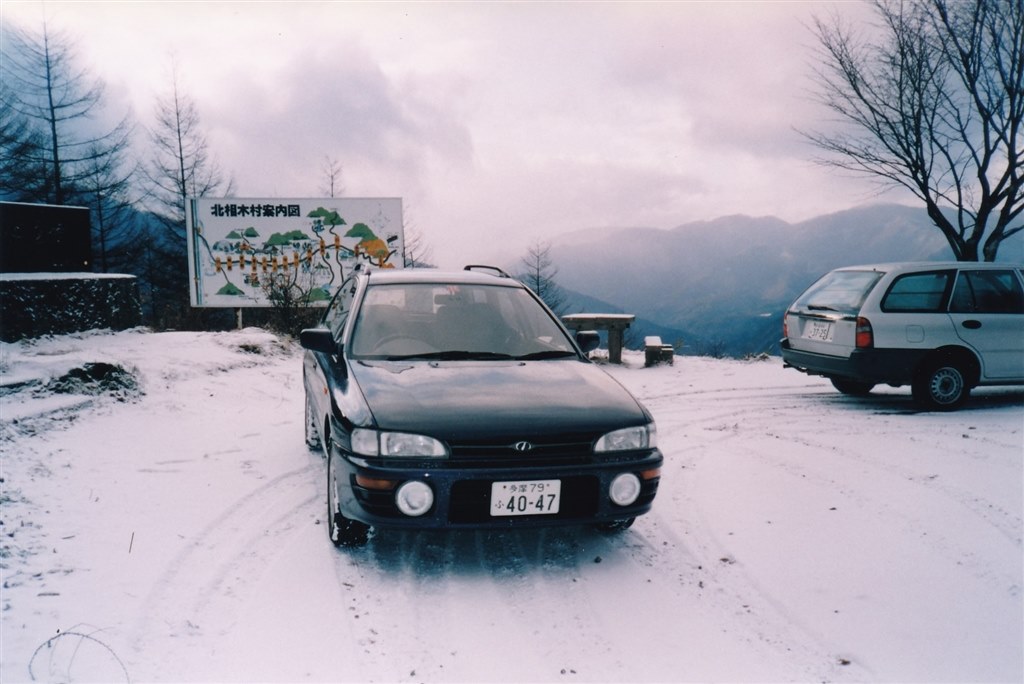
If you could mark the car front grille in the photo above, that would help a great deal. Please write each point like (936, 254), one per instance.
(522, 453)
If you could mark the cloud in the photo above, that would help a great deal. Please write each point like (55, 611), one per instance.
(339, 105)
(495, 122)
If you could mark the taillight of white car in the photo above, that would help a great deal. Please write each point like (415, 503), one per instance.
(865, 335)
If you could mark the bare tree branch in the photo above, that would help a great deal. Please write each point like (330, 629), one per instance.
(179, 168)
(49, 121)
(932, 101)
(332, 175)
(539, 275)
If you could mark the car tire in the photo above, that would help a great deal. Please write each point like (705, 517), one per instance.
(313, 440)
(852, 387)
(343, 532)
(614, 526)
(941, 385)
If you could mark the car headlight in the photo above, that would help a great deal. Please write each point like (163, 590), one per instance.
(401, 444)
(628, 439)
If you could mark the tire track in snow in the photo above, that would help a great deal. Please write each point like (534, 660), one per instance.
(540, 580)
(217, 570)
(758, 428)
(481, 604)
(837, 440)
(386, 588)
(722, 584)
(773, 415)
(1007, 523)
(727, 616)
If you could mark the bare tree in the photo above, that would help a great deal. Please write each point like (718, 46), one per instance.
(52, 108)
(332, 174)
(539, 275)
(417, 251)
(51, 150)
(290, 297)
(180, 167)
(117, 237)
(23, 177)
(933, 102)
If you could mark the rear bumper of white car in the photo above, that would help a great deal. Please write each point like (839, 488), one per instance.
(878, 366)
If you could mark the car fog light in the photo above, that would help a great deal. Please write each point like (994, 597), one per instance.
(625, 489)
(414, 498)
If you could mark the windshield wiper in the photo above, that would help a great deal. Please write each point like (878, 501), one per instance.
(821, 307)
(546, 354)
(453, 356)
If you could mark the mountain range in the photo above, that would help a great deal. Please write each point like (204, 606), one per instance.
(720, 287)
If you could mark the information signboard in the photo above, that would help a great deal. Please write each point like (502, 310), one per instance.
(242, 251)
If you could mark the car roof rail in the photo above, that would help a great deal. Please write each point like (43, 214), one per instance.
(498, 271)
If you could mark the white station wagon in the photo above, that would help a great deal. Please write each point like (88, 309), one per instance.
(942, 328)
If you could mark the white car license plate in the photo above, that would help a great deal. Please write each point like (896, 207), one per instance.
(819, 330)
(526, 497)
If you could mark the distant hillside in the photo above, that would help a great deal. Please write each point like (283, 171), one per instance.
(723, 285)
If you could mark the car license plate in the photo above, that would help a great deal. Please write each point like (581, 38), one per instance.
(819, 330)
(527, 497)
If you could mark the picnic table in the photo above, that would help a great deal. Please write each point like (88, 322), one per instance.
(614, 324)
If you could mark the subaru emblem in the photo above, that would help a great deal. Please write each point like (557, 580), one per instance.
(522, 446)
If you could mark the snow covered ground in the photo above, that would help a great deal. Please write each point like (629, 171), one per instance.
(162, 520)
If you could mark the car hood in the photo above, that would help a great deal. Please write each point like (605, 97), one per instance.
(459, 400)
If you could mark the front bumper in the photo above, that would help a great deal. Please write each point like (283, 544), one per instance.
(462, 494)
(879, 366)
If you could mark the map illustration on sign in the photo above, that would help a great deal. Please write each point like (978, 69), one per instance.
(242, 251)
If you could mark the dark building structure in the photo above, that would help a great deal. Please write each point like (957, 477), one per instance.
(46, 282)
(43, 238)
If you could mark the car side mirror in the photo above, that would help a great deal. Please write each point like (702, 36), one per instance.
(319, 340)
(589, 340)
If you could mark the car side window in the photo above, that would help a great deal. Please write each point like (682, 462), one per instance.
(918, 292)
(337, 311)
(987, 291)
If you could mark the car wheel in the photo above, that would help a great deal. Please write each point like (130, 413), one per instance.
(312, 435)
(342, 531)
(852, 387)
(941, 385)
(615, 525)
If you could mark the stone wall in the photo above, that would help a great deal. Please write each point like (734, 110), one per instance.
(36, 304)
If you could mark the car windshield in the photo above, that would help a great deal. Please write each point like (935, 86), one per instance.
(840, 291)
(454, 322)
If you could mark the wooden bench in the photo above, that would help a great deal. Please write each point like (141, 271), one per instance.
(655, 352)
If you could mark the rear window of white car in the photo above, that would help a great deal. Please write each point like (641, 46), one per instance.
(842, 291)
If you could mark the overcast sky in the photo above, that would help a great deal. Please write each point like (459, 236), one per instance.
(498, 124)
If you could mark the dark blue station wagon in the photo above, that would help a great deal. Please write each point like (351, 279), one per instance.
(458, 400)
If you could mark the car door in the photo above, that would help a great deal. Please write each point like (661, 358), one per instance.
(987, 309)
(316, 366)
